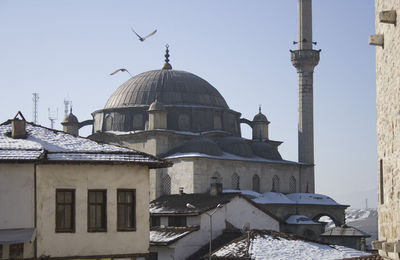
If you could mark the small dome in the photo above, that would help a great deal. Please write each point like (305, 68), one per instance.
(70, 119)
(156, 106)
(199, 145)
(266, 151)
(236, 145)
(260, 117)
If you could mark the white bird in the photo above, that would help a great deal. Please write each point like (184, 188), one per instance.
(143, 38)
(118, 70)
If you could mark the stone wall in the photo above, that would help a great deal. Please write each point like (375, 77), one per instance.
(388, 126)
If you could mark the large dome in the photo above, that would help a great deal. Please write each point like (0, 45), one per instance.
(170, 87)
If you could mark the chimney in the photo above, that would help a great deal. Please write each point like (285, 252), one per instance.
(181, 191)
(18, 130)
(216, 189)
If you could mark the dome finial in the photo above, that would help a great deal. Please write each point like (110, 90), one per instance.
(259, 109)
(166, 65)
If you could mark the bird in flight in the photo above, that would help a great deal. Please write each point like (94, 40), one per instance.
(143, 38)
(118, 70)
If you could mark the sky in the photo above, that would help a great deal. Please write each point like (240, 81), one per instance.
(66, 50)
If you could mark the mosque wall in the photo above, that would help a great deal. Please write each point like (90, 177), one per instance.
(245, 175)
(388, 125)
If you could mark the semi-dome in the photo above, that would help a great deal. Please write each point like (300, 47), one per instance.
(199, 145)
(170, 87)
(265, 150)
(235, 145)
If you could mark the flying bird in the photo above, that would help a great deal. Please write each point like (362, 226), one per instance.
(143, 38)
(118, 70)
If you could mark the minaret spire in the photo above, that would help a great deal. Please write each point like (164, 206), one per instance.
(304, 59)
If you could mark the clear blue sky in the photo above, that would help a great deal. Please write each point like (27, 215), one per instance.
(67, 49)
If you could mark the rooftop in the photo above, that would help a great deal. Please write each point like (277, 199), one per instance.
(44, 144)
(162, 236)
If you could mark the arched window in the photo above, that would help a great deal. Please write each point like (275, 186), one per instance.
(256, 183)
(216, 178)
(108, 122)
(235, 182)
(275, 184)
(184, 122)
(292, 185)
(166, 185)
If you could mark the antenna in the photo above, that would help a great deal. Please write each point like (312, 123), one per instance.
(67, 106)
(52, 117)
(35, 99)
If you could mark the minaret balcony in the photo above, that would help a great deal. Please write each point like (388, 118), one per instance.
(304, 59)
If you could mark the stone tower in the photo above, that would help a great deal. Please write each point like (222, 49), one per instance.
(386, 40)
(304, 59)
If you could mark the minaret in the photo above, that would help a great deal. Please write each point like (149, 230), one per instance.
(304, 59)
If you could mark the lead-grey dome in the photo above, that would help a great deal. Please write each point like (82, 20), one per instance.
(170, 87)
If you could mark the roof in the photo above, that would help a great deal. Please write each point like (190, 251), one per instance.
(161, 236)
(44, 144)
(171, 87)
(291, 198)
(265, 244)
(15, 236)
(176, 203)
(344, 231)
(368, 257)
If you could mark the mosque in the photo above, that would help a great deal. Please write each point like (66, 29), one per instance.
(179, 116)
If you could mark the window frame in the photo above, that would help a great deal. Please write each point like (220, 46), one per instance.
(16, 247)
(104, 213)
(173, 220)
(65, 230)
(133, 204)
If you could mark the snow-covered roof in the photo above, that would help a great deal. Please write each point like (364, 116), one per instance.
(42, 143)
(168, 235)
(291, 198)
(300, 220)
(311, 198)
(275, 245)
(228, 156)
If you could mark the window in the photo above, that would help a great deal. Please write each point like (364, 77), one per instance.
(17, 251)
(1, 251)
(65, 210)
(166, 185)
(177, 221)
(256, 183)
(235, 182)
(292, 184)
(126, 210)
(275, 184)
(155, 221)
(97, 211)
(153, 256)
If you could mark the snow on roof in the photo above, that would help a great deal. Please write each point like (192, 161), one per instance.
(311, 198)
(275, 245)
(55, 145)
(345, 230)
(168, 235)
(228, 156)
(280, 198)
(300, 220)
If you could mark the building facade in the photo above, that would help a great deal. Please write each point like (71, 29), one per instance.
(67, 197)
(387, 45)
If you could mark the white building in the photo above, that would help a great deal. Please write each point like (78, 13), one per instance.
(179, 230)
(69, 197)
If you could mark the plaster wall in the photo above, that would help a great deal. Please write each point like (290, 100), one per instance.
(16, 196)
(239, 212)
(181, 176)
(81, 178)
(388, 126)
